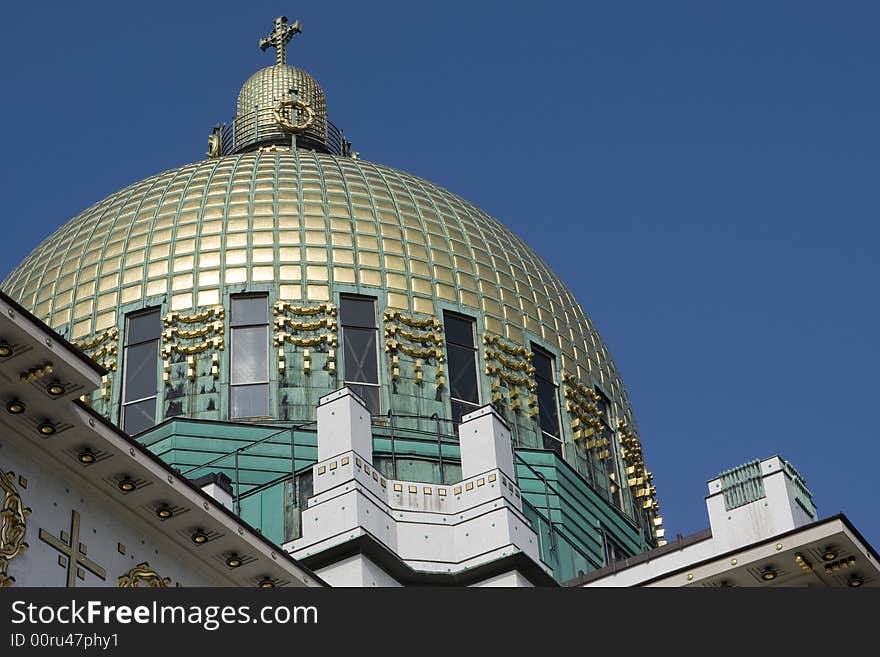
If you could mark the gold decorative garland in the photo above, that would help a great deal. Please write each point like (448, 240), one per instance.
(509, 360)
(396, 337)
(285, 123)
(282, 307)
(142, 573)
(638, 478)
(392, 315)
(191, 349)
(86, 345)
(105, 356)
(190, 334)
(392, 331)
(218, 312)
(212, 332)
(516, 365)
(510, 350)
(13, 526)
(329, 337)
(325, 338)
(288, 322)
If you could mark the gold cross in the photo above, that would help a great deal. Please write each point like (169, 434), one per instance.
(278, 38)
(74, 551)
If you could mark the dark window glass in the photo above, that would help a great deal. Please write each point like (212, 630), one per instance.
(140, 383)
(462, 374)
(355, 311)
(548, 399)
(249, 359)
(604, 405)
(143, 327)
(461, 355)
(369, 393)
(360, 351)
(140, 416)
(458, 330)
(140, 370)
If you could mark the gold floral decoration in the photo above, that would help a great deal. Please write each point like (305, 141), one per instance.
(13, 526)
(143, 573)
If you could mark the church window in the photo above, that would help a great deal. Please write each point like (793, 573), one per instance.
(249, 343)
(140, 383)
(608, 449)
(548, 399)
(360, 352)
(461, 353)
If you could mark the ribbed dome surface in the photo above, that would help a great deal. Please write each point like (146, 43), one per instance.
(269, 85)
(304, 225)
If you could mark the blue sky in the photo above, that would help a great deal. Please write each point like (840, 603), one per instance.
(702, 175)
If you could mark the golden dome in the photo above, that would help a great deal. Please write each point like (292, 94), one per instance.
(306, 226)
(261, 93)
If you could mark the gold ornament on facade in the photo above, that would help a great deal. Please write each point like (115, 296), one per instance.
(638, 478)
(143, 574)
(103, 349)
(511, 350)
(510, 365)
(282, 323)
(282, 307)
(285, 123)
(329, 338)
(392, 331)
(191, 334)
(87, 345)
(397, 337)
(392, 315)
(279, 37)
(175, 317)
(175, 339)
(13, 526)
(214, 143)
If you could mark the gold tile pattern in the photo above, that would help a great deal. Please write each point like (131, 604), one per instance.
(304, 223)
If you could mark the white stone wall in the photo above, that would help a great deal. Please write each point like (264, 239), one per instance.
(102, 528)
(432, 528)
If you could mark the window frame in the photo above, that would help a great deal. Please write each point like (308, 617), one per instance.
(343, 329)
(472, 406)
(126, 345)
(554, 383)
(233, 327)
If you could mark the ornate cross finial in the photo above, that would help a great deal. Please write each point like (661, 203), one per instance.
(278, 38)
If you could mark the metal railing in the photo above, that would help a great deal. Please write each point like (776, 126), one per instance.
(236, 454)
(414, 433)
(259, 126)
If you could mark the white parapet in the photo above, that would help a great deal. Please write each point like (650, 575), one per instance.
(757, 500)
(344, 426)
(431, 528)
(485, 443)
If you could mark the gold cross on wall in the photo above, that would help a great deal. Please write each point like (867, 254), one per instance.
(278, 38)
(73, 553)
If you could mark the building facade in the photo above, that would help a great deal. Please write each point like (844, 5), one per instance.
(228, 298)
